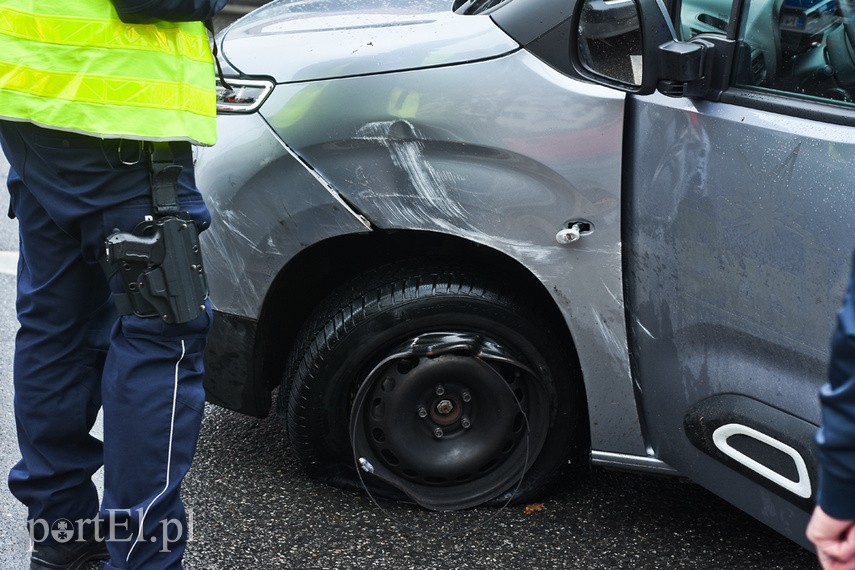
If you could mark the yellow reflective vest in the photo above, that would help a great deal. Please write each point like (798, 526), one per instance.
(73, 65)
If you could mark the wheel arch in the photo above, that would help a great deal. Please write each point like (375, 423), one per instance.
(312, 274)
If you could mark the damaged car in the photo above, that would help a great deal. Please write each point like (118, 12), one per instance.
(466, 248)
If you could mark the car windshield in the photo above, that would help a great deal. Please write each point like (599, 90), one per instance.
(472, 7)
(331, 7)
(295, 10)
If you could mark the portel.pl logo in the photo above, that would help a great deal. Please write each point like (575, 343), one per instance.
(114, 528)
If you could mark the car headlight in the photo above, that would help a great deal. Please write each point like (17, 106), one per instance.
(242, 95)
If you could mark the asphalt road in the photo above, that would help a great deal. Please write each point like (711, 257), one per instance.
(252, 508)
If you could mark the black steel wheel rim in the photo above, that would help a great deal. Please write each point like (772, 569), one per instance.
(450, 419)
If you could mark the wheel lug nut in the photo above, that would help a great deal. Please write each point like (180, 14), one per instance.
(422, 412)
(438, 433)
(445, 407)
(440, 389)
(465, 423)
(467, 396)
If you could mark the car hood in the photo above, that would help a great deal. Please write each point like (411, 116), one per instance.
(294, 40)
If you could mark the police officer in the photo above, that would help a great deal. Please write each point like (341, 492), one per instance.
(82, 94)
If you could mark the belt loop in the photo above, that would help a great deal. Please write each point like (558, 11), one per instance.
(164, 179)
(139, 157)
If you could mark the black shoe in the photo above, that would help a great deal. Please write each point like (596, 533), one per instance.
(67, 556)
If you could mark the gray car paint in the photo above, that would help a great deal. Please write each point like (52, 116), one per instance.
(538, 149)
(364, 136)
(258, 222)
(339, 39)
(741, 231)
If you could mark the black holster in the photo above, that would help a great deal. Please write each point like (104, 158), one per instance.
(160, 261)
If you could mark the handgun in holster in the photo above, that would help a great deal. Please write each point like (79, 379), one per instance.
(160, 261)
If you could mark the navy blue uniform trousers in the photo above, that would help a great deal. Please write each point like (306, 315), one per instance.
(73, 354)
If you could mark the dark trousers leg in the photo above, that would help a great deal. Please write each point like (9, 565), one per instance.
(65, 316)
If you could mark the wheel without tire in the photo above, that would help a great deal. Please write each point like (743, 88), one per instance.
(447, 385)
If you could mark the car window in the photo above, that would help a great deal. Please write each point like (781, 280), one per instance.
(801, 48)
(704, 17)
(798, 47)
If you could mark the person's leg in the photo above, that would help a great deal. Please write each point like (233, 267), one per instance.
(65, 317)
(153, 409)
(153, 405)
(151, 384)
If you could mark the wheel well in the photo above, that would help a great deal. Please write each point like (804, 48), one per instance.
(311, 275)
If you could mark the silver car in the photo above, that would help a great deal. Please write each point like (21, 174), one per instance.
(471, 249)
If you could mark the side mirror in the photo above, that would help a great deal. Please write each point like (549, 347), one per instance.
(609, 45)
(631, 45)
